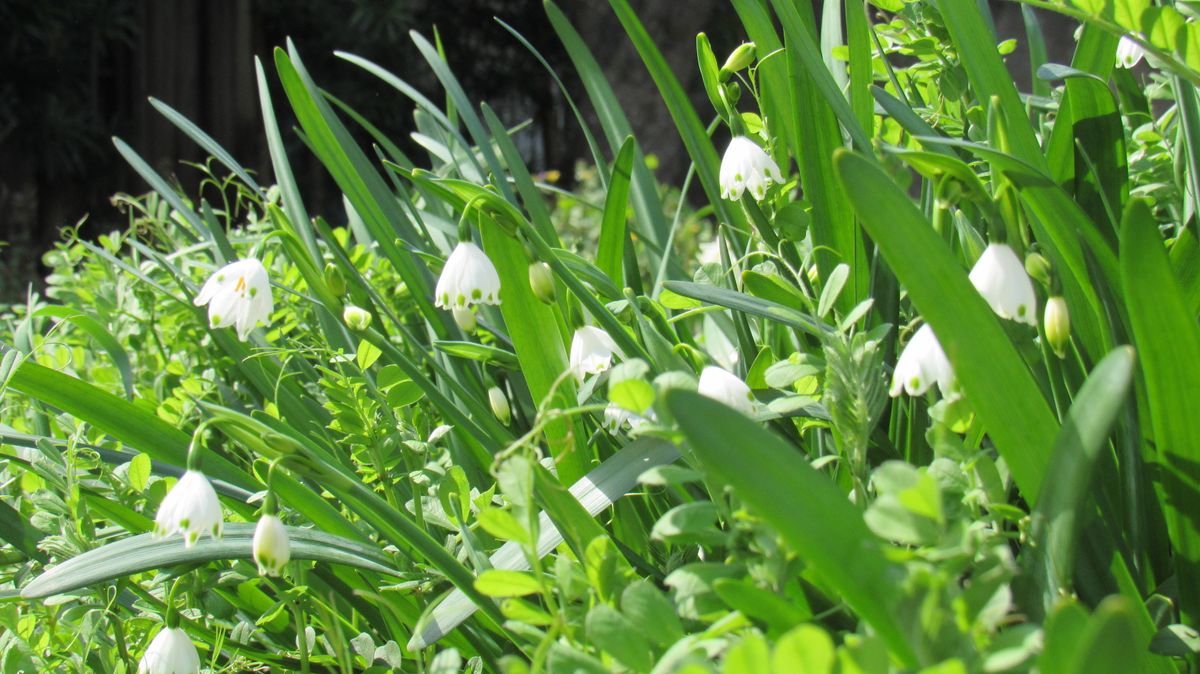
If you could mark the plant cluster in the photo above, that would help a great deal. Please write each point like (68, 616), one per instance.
(908, 393)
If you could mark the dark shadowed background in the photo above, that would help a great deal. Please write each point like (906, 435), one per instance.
(75, 73)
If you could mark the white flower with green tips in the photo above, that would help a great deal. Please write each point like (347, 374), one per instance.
(591, 351)
(746, 167)
(191, 508)
(469, 278)
(1000, 277)
(922, 364)
(238, 294)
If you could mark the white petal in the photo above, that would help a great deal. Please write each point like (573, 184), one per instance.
(468, 278)
(170, 652)
(745, 165)
(723, 386)
(591, 350)
(922, 364)
(1000, 277)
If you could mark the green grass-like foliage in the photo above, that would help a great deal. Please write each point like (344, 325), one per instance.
(465, 492)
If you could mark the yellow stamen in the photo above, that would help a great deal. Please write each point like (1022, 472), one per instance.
(241, 285)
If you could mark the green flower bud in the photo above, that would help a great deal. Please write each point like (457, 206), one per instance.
(541, 281)
(499, 403)
(465, 318)
(356, 318)
(1057, 322)
(402, 291)
(739, 59)
(1038, 268)
(334, 280)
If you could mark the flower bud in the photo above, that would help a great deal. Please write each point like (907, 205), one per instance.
(541, 281)
(465, 318)
(1057, 322)
(740, 58)
(356, 318)
(334, 280)
(402, 291)
(1038, 268)
(271, 547)
(499, 403)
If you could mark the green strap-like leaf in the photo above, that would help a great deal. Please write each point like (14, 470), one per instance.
(611, 249)
(991, 372)
(812, 515)
(1168, 344)
(145, 552)
(1056, 520)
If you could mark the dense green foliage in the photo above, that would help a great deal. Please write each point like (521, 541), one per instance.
(669, 446)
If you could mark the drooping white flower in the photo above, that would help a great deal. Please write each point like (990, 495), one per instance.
(746, 166)
(1000, 277)
(1129, 53)
(591, 351)
(921, 365)
(190, 508)
(238, 294)
(171, 652)
(271, 546)
(469, 278)
(616, 417)
(721, 385)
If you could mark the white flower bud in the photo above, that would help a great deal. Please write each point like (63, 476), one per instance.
(1057, 322)
(271, 546)
(499, 403)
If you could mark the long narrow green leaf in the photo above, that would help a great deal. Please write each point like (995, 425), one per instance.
(976, 47)
(1056, 520)
(96, 330)
(1001, 388)
(205, 141)
(691, 130)
(780, 485)
(1168, 344)
(131, 424)
(646, 202)
(146, 551)
(293, 204)
(611, 251)
(755, 306)
(360, 182)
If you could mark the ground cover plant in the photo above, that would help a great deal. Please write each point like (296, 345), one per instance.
(898, 380)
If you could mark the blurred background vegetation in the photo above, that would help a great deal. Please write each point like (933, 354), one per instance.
(74, 73)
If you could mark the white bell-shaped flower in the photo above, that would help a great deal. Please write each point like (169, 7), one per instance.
(271, 546)
(238, 294)
(746, 166)
(921, 365)
(592, 351)
(469, 278)
(1000, 277)
(171, 652)
(190, 508)
(719, 384)
(1129, 53)
(617, 417)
